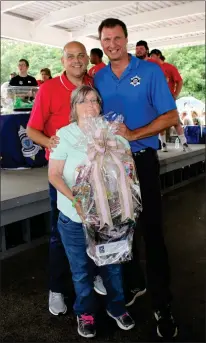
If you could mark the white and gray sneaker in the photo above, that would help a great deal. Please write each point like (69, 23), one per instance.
(56, 303)
(164, 147)
(186, 147)
(125, 322)
(99, 286)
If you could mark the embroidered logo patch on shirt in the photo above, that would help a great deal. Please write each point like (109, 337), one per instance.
(135, 81)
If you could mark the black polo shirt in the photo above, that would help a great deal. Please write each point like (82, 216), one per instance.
(23, 81)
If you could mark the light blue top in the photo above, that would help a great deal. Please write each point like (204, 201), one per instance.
(73, 149)
(140, 95)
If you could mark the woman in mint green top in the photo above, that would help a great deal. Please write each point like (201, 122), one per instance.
(71, 153)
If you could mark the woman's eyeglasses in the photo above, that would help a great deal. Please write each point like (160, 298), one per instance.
(88, 101)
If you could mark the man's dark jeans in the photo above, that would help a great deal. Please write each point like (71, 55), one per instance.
(157, 265)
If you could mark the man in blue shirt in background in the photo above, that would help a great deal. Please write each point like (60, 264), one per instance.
(138, 90)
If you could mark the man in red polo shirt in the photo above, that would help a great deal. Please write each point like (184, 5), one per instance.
(172, 74)
(50, 112)
(175, 84)
(96, 58)
(142, 52)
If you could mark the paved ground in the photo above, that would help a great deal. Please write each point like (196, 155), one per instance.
(24, 315)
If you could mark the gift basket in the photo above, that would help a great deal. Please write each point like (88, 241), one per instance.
(109, 192)
(18, 98)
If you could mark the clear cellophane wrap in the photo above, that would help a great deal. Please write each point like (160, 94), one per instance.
(109, 192)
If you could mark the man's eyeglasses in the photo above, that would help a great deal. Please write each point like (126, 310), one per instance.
(73, 57)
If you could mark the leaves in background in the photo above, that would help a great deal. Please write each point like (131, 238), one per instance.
(190, 61)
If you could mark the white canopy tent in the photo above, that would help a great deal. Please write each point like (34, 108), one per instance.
(162, 24)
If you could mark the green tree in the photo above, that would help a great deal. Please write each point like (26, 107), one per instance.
(38, 56)
(190, 61)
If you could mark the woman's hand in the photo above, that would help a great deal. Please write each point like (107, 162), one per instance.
(53, 142)
(79, 210)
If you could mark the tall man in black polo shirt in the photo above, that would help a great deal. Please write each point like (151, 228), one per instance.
(23, 79)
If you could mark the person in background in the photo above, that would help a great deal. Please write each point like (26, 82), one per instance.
(175, 83)
(142, 52)
(45, 76)
(138, 90)
(23, 79)
(5, 85)
(202, 117)
(63, 164)
(50, 112)
(172, 74)
(195, 118)
(12, 75)
(186, 119)
(96, 58)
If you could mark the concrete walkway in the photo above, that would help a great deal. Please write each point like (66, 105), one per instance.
(24, 314)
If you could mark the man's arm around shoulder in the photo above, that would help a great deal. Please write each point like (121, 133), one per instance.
(37, 136)
(38, 118)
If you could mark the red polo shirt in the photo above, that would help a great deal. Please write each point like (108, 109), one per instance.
(172, 75)
(154, 61)
(96, 68)
(51, 110)
(40, 82)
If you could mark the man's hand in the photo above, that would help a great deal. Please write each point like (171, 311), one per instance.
(125, 132)
(164, 121)
(53, 142)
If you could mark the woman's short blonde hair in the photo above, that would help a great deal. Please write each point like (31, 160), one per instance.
(78, 95)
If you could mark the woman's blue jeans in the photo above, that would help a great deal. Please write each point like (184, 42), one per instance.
(83, 271)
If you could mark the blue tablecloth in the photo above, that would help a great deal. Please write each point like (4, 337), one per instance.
(17, 150)
(195, 134)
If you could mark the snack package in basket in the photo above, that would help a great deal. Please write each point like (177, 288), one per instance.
(109, 192)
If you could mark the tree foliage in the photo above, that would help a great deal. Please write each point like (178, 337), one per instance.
(190, 61)
(39, 57)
